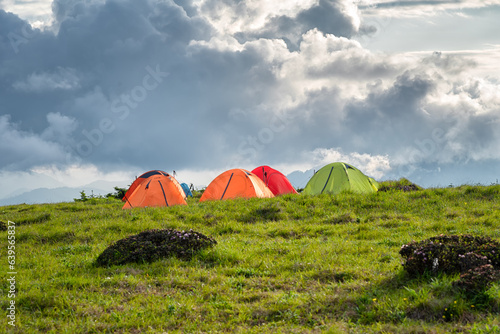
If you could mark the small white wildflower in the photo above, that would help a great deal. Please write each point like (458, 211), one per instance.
(435, 264)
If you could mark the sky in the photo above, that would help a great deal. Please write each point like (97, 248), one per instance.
(106, 90)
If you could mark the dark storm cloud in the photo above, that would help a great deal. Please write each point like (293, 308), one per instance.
(98, 52)
(122, 73)
(328, 17)
(390, 117)
(22, 51)
(21, 149)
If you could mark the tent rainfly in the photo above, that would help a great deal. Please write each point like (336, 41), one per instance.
(154, 188)
(276, 181)
(236, 183)
(186, 189)
(337, 177)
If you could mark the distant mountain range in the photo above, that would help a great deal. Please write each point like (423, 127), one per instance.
(299, 179)
(59, 194)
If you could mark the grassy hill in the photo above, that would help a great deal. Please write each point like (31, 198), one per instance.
(293, 264)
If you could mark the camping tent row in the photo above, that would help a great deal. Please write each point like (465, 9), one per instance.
(158, 188)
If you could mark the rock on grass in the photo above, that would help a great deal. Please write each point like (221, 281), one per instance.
(149, 246)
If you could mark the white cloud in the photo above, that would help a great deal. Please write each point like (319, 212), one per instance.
(38, 13)
(233, 17)
(485, 60)
(60, 127)
(328, 61)
(375, 166)
(62, 79)
(81, 175)
(412, 8)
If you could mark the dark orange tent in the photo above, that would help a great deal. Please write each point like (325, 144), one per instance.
(236, 183)
(159, 189)
(275, 180)
(139, 180)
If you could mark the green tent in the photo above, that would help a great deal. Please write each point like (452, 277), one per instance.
(337, 177)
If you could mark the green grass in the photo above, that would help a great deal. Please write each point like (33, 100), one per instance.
(293, 264)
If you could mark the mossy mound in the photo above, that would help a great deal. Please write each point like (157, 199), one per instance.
(400, 185)
(477, 259)
(149, 246)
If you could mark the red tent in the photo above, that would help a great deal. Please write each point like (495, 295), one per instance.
(275, 180)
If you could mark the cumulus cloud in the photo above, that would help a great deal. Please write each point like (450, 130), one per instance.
(205, 85)
(339, 18)
(37, 12)
(373, 165)
(60, 127)
(430, 115)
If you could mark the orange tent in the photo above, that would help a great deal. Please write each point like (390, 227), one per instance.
(236, 183)
(156, 189)
(139, 180)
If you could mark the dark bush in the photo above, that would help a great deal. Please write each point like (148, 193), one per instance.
(476, 258)
(404, 188)
(478, 278)
(152, 245)
(3, 226)
(442, 253)
(118, 194)
(472, 260)
(400, 185)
